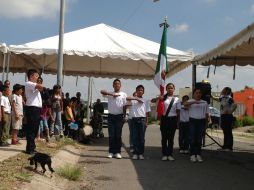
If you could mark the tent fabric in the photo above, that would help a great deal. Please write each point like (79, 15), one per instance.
(3, 48)
(98, 51)
(238, 50)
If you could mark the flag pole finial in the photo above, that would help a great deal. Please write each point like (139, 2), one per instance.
(165, 22)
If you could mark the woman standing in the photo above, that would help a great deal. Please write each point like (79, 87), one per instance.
(227, 107)
(57, 109)
(169, 122)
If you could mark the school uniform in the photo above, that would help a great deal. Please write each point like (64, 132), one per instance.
(18, 103)
(33, 111)
(184, 126)
(139, 121)
(197, 113)
(115, 121)
(6, 123)
(130, 124)
(168, 125)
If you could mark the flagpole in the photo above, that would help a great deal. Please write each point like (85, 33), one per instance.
(161, 68)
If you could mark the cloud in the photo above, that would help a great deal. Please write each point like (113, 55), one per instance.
(252, 9)
(181, 28)
(16, 9)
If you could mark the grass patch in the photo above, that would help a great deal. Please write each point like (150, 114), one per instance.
(70, 172)
(14, 170)
(22, 176)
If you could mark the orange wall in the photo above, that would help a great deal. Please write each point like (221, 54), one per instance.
(247, 98)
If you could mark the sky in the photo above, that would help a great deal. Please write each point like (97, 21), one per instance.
(195, 25)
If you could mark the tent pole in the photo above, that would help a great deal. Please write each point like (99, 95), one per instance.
(60, 44)
(8, 66)
(4, 61)
(88, 100)
(194, 75)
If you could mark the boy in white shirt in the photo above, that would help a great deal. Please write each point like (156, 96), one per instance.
(33, 109)
(6, 116)
(116, 118)
(141, 109)
(184, 127)
(17, 112)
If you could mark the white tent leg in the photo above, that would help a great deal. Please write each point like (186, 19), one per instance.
(89, 99)
(3, 73)
(8, 66)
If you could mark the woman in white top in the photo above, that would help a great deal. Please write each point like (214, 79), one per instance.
(227, 107)
(169, 122)
(198, 113)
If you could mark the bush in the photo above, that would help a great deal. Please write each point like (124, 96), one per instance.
(70, 172)
(247, 121)
(237, 123)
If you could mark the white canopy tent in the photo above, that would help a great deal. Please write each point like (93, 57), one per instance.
(237, 50)
(98, 51)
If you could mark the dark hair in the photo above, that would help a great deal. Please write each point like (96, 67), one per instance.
(30, 72)
(39, 78)
(56, 87)
(140, 86)
(228, 91)
(185, 96)
(116, 80)
(166, 95)
(73, 99)
(6, 82)
(195, 89)
(17, 87)
(5, 87)
(170, 84)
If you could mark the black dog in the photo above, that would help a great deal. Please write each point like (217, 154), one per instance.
(43, 159)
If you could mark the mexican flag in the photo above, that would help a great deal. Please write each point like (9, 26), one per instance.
(161, 69)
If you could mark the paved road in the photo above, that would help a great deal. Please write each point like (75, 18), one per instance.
(220, 170)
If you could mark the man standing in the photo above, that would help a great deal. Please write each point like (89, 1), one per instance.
(98, 107)
(33, 109)
(116, 108)
(98, 111)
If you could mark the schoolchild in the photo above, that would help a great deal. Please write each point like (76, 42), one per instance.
(141, 109)
(199, 114)
(184, 127)
(116, 118)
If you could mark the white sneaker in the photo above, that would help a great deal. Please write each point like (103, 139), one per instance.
(110, 155)
(141, 157)
(135, 157)
(171, 158)
(181, 151)
(131, 150)
(164, 158)
(186, 152)
(118, 156)
(199, 158)
(193, 158)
